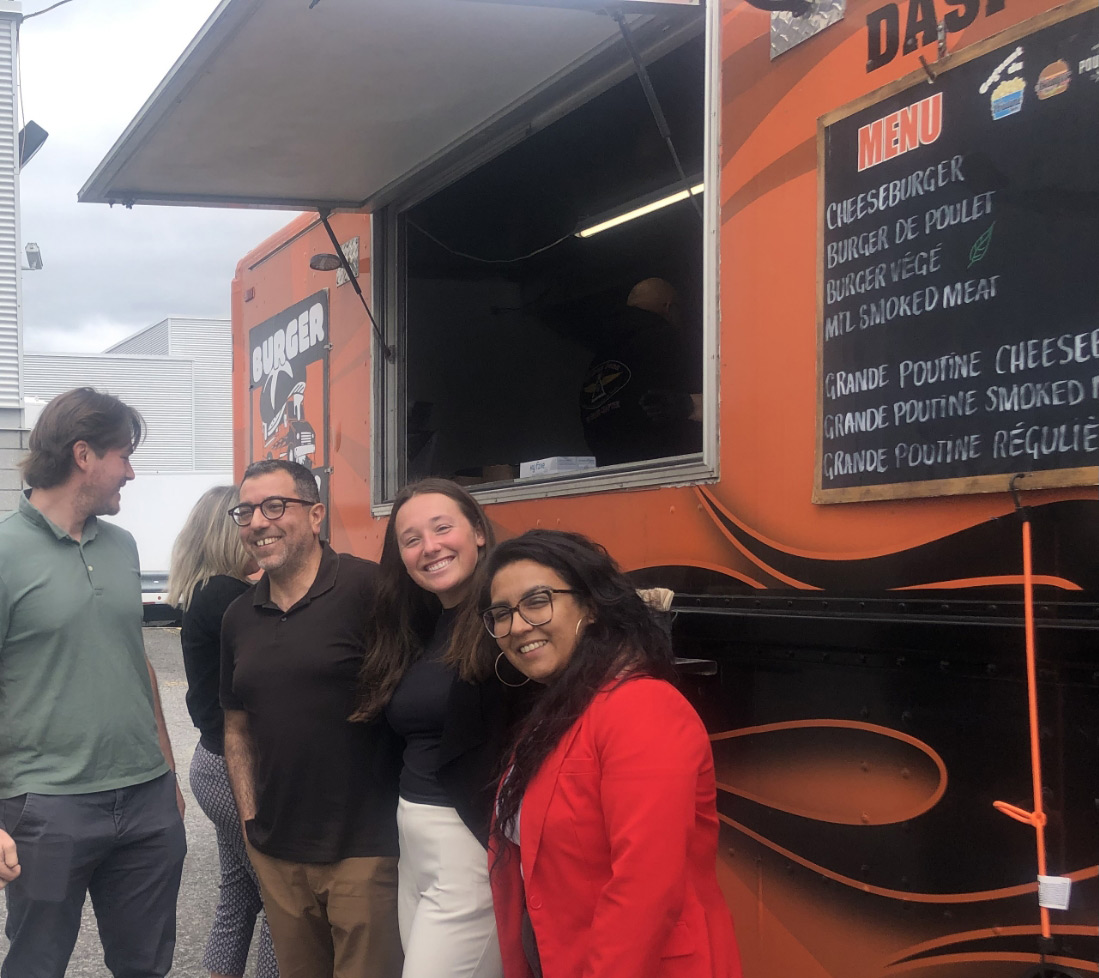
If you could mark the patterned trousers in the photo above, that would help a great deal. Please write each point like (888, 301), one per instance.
(239, 902)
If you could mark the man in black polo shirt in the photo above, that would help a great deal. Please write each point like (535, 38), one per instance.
(317, 794)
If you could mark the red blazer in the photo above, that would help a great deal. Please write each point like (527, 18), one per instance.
(619, 848)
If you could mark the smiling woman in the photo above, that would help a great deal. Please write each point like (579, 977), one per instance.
(439, 545)
(610, 783)
(454, 722)
(537, 634)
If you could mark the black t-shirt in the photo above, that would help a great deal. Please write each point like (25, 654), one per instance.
(642, 353)
(326, 788)
(417, 711)
(200, 637)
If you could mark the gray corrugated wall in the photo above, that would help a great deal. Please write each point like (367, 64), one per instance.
(209, 344)
(10, 256)
(161, 389)
(151, 341)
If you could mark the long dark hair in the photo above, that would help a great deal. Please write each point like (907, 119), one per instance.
(405, 614)
(621, 641)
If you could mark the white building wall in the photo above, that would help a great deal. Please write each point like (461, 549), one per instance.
(13, 444)
(11, 398)
(155, 506)
(161, 389)
(151, 341)
(208, 343)
(178, 374)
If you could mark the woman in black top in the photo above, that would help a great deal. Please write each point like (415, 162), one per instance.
(454, 723)
(208, 572)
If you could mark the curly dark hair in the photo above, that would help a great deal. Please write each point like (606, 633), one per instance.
(623, 641)
(405, 614)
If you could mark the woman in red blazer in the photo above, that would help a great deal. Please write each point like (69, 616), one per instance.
(604, 847)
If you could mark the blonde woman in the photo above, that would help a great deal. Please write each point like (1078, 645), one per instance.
(209, 571)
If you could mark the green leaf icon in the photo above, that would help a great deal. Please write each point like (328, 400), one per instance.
(980, 246)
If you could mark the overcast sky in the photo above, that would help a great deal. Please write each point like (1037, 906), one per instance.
(87, 68)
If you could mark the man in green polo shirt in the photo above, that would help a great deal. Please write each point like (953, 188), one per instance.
(88, 803)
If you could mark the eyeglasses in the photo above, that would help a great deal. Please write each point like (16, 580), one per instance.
(272, 508)
(535, 609)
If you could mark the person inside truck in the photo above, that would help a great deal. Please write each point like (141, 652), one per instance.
(209, 571)
(604, 845)
(641, 397)
(454, 721)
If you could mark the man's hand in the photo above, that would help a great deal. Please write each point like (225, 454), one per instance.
(9, 859)
(240, 762)
(180, 803)
(667, 405)
(162, 732)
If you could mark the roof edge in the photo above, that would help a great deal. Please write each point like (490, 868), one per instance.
(228, 17)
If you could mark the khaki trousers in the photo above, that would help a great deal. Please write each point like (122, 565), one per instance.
(332, 919)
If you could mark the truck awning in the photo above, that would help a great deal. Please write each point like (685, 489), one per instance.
(312, 104)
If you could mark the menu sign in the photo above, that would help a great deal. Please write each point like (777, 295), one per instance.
(958, 272)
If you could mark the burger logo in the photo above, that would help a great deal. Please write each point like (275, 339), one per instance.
(1053, 80)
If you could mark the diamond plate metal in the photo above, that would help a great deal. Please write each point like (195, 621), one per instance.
(788, 31)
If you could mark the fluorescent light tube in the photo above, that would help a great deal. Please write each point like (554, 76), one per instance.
(640, 211)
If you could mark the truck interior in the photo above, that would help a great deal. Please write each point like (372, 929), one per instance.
(505, 305)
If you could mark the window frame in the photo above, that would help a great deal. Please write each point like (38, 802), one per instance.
(389, 281)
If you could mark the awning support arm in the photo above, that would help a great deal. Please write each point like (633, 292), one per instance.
(654, 104)
(387, 351)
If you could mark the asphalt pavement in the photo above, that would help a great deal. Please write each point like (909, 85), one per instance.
(198, 892)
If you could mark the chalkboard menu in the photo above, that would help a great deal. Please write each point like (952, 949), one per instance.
(958, 272)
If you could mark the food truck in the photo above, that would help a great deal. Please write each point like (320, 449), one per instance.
(881, 220)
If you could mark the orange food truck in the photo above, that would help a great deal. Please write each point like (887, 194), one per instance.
(881, 222)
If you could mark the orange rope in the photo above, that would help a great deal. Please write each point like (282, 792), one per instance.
(1037, 818)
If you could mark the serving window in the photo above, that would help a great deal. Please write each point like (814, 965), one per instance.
(518, 324)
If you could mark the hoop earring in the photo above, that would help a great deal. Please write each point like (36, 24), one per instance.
(496, 669)
(576, 630)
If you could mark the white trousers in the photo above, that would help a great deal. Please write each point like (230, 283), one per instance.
(444, 904)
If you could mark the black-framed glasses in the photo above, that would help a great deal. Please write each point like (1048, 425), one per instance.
(535, 609)
(272, 508)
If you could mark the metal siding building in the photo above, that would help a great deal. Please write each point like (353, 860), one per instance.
(11, 399)
(208, 344)
(151, 341)
(161, 389)
(177, 373)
